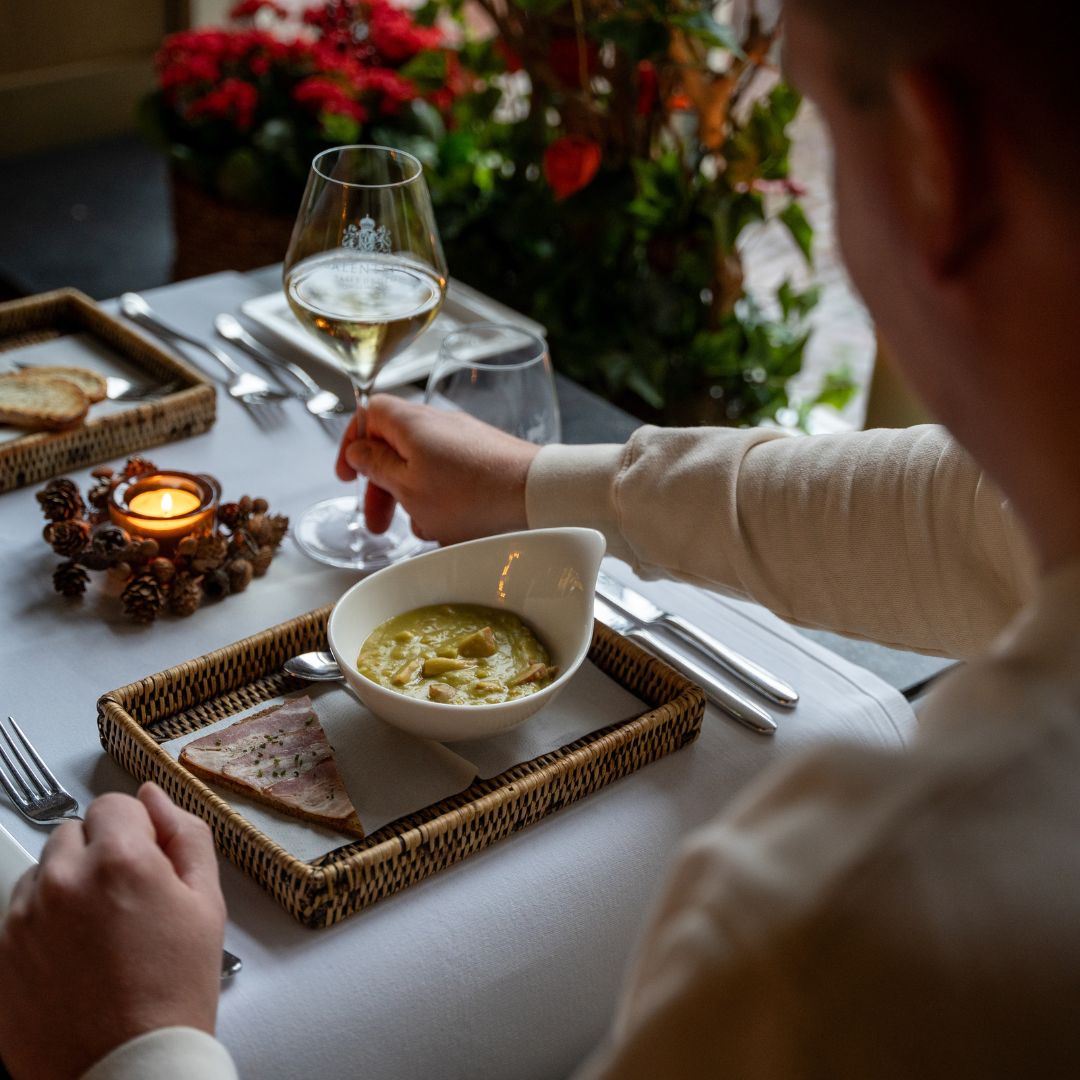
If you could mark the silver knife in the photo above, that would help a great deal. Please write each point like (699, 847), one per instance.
(643, 612)
(723, 697)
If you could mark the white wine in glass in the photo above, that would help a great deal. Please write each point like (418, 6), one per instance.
(365, 274)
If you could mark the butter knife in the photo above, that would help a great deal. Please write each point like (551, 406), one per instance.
(641, 611)
(723, 697)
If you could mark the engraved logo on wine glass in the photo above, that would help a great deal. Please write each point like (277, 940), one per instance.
(368, 237)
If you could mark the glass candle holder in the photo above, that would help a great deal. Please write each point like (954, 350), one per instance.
(166, 507)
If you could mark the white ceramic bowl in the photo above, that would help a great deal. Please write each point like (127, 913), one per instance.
(545, 576)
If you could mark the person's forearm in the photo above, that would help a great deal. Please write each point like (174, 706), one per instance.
(891, 535)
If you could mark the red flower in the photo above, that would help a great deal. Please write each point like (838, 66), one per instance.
(247, 9)
(570, 163)
(326, 95)
(647, 96)
(395, 36)
(233, 100)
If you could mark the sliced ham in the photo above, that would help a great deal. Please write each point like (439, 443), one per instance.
(282, 758)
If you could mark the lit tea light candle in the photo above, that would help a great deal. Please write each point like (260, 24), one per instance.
(165, 507)
(165, 504)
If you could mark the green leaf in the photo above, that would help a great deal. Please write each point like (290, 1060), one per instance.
(338, 128)
(801, 230)
(701, 25)
(428, 120)
(427, 69)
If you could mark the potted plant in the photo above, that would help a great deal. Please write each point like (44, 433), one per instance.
(241, 111)
(601, 183)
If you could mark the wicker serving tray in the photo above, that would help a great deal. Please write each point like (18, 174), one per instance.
(39, 455)
(135, 719)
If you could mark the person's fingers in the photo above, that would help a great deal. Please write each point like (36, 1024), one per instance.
(379, 462)
(185, 840)
(117, 819)
(23, 893)
(342, 468)
(66, 840)
(379, 507)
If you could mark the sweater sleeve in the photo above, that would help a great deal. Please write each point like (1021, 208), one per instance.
(175, 1053)
(890, 535)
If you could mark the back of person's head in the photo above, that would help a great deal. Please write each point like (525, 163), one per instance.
(1013, 66)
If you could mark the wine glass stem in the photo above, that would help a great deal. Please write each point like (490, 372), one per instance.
(357, 531)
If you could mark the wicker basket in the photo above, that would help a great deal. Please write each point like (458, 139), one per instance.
(212, 235)
(39, 455)
(135, 719)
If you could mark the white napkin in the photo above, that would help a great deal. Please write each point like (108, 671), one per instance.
(76, 350)
(389, 773)
(14, 862)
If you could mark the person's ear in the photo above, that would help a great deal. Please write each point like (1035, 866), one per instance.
(944, 173)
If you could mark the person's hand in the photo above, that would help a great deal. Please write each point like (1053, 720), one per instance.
(457, 477)
(117, 932)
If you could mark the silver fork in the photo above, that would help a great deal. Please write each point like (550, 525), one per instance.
(245, 386)
(42, 799)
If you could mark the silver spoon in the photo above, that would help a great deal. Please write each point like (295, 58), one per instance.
(316, 400)
(314, 667)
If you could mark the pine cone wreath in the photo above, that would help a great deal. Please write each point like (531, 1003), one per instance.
(70, 579)
(67, 538)
(143, 598)
(60, 500)
(186, 595)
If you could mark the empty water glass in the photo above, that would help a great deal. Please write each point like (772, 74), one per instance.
(500, 374)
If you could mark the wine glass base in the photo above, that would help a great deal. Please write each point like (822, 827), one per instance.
(327, 532)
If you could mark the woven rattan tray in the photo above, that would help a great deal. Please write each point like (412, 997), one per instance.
(135, 719)
(40, 455)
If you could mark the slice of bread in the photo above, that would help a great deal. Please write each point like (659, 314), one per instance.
(28, 401)
(89, 382)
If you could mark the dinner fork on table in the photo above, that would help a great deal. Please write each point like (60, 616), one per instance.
(251, 390)
(41, 798)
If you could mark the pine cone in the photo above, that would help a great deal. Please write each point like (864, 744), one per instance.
(98, 495)
(138, 466)
(68, 538)
(209, 554)
(258, 528)
(70, 579)
(279, 526)
(261, 561)
(241, 545)
(185, 595)
(143, 598)
(60, 500)
(240, 572)
(229, 515)
(109, 541)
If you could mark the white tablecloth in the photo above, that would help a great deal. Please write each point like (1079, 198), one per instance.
(506, 965)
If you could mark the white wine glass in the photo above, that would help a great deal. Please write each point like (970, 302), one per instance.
(365, 274)
(501, 374)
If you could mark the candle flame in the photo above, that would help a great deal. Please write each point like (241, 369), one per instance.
(166, 503)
